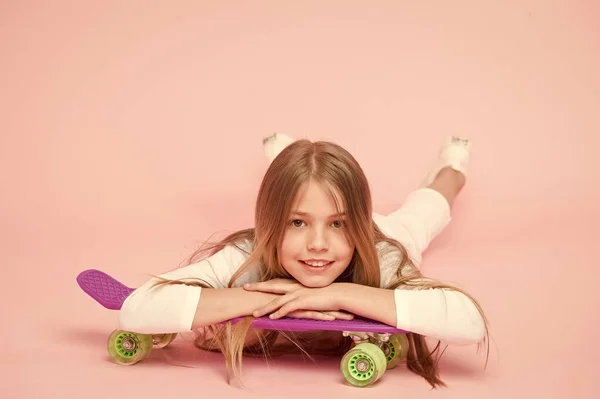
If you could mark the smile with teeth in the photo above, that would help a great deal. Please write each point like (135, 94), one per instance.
(316, 263)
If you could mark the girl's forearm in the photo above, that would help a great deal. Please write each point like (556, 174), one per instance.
(217, 305)
(447, 315)
(373, 303)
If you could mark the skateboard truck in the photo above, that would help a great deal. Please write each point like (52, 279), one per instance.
(359, 337)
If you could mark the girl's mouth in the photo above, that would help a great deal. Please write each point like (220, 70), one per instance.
(316, 266)
(317, 263)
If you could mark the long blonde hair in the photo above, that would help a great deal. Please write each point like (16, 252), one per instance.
(332, 165)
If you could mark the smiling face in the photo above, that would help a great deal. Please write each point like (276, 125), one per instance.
(298, 229)
(315, 249)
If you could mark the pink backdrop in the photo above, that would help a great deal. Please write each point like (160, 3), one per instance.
(131, 132)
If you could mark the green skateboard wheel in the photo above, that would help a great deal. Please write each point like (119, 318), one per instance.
(363, 365)
(127, 348)
(161, 340)
(395, 350)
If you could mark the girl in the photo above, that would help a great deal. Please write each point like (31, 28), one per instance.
(318, 251)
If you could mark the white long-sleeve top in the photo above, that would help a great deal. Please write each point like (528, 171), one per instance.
(447, 315)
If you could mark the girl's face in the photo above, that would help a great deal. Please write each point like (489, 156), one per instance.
(314, 249)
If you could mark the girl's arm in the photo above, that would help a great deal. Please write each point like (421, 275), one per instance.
(217, 305)
(180, 308)
(170, 308)
(443, 314)
(449, 316)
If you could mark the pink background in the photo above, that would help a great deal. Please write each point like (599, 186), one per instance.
(131, 132)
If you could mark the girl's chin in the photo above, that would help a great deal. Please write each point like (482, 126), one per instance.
(311, 278)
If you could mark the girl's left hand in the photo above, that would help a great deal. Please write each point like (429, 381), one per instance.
(296, 297)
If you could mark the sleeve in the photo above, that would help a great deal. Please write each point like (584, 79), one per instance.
(440, 313)
(171, 308)
(443, 314)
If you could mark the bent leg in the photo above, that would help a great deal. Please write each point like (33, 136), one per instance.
(454, 154)
(426, 211)
(420, 219)
(449, 183)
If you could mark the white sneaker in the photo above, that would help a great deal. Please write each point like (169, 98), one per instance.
(455, 153)
(274, 144)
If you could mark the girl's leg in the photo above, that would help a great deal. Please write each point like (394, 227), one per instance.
(426, 211)
(449, 183)
(447, 176)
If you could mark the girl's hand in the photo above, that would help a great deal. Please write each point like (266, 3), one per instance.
(306, 299)
(285, 287)
(316, 315)
(275, 286)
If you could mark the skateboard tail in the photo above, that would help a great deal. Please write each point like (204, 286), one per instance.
(103, 288)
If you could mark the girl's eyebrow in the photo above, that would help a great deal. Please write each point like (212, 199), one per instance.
(300, 213)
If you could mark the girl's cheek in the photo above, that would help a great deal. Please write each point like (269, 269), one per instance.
(293, 240)
(343, 239)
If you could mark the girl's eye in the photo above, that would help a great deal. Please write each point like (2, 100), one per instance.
(297, 223)
(338, 224)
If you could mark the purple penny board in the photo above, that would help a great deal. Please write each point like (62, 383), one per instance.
(111, 294)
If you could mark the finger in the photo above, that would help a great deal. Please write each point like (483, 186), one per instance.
(271, 287)
(341, 315)
(260, 287)
(275, 304)
(263, 287)
(310, 314)
(288, 307)
(268, 308)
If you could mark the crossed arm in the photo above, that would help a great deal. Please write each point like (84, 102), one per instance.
(443, 314)
(347, 297)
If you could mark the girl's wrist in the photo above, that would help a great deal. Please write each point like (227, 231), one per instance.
(251, 300)
(342, 294)
(369, 302)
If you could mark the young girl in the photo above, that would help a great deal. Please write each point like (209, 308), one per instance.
(317, 250)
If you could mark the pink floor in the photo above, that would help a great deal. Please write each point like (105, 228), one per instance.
(129, 134)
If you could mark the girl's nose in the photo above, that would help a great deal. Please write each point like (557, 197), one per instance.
(318, 241)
